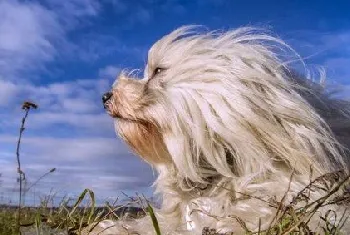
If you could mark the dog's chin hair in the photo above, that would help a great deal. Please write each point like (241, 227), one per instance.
(224, 112)
(144, 139)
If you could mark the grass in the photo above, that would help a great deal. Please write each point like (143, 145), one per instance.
(72, 217)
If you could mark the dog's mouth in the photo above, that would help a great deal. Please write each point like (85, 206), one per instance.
(108, 107)
(116, 115)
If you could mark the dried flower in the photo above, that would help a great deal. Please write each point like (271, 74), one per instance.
(28, 105)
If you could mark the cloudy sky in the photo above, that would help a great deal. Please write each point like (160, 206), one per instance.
(63, 55)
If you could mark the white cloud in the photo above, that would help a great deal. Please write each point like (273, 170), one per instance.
(70, 149)
(32, 34)
(78, 96)
(28, 33)
(109, 71)
(102, 164)
(70, 130)
(338, 41)
(76, 8)
(8, 90)
(337, 61)
(328, 49)
(88, 124)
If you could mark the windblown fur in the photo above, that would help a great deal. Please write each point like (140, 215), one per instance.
(227, 124)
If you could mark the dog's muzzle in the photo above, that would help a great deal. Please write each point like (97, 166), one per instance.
(106, 97)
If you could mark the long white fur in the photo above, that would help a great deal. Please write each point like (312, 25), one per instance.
(234, 123)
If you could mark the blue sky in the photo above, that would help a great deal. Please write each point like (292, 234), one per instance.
(64, 54)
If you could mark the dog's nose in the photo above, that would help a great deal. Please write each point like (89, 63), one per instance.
(106, 96)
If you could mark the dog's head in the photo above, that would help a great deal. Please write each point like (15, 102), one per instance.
(219, 104)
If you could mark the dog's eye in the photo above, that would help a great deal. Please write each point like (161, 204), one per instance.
(157, 71)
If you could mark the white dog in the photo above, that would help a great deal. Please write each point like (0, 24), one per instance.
(229, 129)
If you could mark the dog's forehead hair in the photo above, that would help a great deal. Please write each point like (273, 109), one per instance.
(174, 47)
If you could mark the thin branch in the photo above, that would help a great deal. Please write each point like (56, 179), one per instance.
(22, 177)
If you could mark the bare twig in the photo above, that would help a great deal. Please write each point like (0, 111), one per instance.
(40, 178)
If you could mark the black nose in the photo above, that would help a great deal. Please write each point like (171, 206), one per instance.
(106, 97)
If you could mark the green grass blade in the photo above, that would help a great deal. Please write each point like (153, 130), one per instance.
(154, 219)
